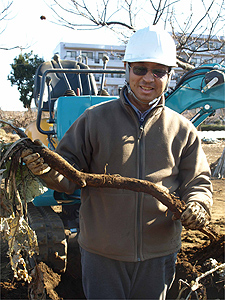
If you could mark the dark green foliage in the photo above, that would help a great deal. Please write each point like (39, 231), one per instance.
(22, 75)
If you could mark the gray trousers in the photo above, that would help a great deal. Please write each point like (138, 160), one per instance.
(105, 278)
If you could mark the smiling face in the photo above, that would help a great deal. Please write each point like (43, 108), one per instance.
(147, 87)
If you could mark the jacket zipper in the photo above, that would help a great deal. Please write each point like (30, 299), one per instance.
(141, 129)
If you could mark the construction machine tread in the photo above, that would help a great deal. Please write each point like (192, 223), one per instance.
(51, 236)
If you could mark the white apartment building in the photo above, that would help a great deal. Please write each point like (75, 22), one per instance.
(91, 55)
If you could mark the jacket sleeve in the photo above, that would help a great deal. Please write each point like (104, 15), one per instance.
(194, 173)
(58, 182)
(75, 148)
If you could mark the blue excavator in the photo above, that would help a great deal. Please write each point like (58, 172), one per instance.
(63, 90)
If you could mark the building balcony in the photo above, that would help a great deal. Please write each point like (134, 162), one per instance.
(110, 64)
(111, 81)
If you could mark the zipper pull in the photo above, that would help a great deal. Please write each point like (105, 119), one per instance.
(141, 132)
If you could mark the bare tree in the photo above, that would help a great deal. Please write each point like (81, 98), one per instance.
(197, 27)
(121, 16)
(203, 35)
(4, 15)
(4, 12)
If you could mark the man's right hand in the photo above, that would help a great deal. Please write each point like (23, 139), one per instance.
(35, 162)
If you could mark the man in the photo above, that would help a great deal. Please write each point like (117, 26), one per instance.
(128, 240)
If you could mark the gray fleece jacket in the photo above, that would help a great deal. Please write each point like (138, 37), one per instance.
(165, 150)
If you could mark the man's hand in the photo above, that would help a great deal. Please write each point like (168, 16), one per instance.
(194, 216)
(34, 161)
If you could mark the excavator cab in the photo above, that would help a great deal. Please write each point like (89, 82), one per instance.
(49, 85)
(59, 84)
(63, 89)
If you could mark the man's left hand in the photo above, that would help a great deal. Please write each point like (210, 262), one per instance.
(194, 216)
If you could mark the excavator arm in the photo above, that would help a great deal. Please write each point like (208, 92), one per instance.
(203, 89)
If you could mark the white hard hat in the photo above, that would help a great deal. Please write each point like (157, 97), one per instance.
(151, 44)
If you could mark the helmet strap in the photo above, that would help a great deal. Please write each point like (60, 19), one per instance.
(127, 73)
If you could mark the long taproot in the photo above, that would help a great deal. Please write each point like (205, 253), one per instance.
(58, 163)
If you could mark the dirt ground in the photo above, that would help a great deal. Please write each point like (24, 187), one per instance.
(192, 259)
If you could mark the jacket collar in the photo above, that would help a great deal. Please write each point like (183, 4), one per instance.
(160, 104)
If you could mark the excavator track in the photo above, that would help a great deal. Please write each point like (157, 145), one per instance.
(51, 236)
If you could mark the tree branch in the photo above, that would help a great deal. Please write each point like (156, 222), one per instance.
(184, 65)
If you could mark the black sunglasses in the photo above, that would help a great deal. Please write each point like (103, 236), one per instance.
(141, 71)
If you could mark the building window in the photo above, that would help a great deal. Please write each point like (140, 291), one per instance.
(213, 60)
(71, 54)
(196, 61)
(211, 45)
(100, 55)
(204, 45)
(116, 56)
(97, 77)
(223, 49)
(118, 75)
(87, 54)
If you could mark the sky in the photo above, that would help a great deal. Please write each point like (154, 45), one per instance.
(25, 28)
